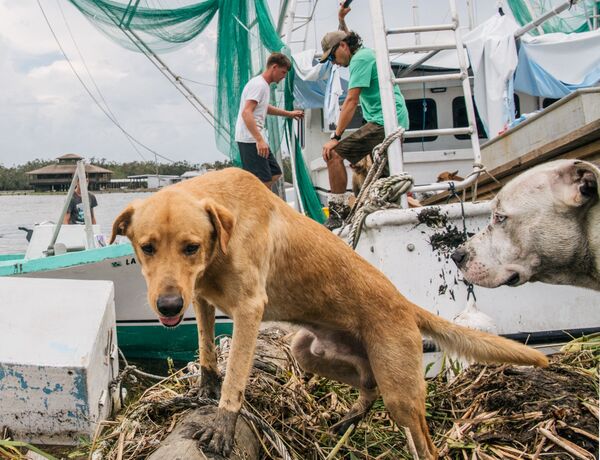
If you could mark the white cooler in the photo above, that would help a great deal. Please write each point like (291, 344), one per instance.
(58, 355)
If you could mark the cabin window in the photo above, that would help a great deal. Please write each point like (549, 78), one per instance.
(460, 119)
(548, 101)
(422, 114)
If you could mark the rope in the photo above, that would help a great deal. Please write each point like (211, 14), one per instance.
(377, 193)
(452, 193)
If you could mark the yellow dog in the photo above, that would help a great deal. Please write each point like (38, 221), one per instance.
(223, 240)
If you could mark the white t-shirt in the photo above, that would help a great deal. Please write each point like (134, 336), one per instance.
(257, 89)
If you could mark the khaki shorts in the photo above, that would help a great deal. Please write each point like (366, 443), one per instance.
(361, 142)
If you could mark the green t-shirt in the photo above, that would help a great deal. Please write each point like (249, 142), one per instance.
(363, 75)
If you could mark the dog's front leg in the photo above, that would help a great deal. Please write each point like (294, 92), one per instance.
(218, 437)
(210, 381)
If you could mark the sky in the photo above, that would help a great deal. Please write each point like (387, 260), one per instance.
(46, 112)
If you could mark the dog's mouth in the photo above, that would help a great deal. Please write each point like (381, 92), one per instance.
(170, 321)
(513, 280)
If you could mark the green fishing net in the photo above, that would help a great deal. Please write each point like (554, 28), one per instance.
(578, 18)
(246, 35)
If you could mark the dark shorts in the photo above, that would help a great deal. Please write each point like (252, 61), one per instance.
(361, 142)
(263, 168)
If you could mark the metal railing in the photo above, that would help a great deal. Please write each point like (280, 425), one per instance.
(78, 176)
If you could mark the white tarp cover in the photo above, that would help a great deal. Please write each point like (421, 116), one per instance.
(493, 56)
(553, 65)
(320, 86)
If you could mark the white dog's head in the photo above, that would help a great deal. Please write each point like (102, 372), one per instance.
(537, 230)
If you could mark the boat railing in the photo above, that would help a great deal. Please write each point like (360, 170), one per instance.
(78, 176)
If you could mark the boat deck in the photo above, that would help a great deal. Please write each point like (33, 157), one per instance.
(569, 128)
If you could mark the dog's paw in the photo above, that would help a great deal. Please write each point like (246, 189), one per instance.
(218, 437)
(351, 418)
(210, 384)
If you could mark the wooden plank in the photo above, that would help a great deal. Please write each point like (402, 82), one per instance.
(583, 144)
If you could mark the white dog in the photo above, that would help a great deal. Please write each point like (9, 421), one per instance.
(545, 226)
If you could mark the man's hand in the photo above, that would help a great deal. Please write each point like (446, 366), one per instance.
(328, 149)
(343, 11)
(296, 114)
(263, 148)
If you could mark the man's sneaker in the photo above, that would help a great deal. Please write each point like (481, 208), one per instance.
(337, 213)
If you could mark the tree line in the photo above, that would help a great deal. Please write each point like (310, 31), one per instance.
(15, 177)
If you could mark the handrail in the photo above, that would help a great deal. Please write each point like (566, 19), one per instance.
(78, 175)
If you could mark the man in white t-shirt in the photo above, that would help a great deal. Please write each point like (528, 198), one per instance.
(250, 133)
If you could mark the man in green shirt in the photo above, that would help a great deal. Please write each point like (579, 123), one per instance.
(344, 48)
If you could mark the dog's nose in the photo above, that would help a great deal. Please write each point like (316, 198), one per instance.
(169, 305)
(460, 256)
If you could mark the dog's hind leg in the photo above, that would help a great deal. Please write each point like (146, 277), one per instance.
(339, 356)
(210, 381)
(395, 354)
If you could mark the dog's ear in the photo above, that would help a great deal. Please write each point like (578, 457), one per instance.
(121, 223)
(223, 221)
(454, 173)
(576, 182)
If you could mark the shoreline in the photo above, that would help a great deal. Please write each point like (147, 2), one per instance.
(95, 192)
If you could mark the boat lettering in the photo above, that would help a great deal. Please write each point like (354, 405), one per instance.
(130, 261)
(18, 268)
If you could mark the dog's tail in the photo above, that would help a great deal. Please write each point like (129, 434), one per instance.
(476, 345)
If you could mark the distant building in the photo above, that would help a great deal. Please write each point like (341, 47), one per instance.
(191, 174)
(58, 177)
(155, 181)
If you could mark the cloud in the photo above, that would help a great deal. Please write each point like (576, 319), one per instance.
(46, 111)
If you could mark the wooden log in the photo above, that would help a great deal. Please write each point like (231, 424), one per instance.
(179, 445)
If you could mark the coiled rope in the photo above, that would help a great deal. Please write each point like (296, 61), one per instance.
(377, 193)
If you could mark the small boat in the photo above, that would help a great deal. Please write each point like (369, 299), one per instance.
(80, 252)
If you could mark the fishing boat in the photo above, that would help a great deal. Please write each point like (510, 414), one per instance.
(413, 246)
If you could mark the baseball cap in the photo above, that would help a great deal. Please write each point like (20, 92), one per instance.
(329, 41)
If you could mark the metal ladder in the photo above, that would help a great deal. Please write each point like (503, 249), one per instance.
(386, 88)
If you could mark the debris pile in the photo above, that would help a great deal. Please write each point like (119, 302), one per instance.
(483, 412)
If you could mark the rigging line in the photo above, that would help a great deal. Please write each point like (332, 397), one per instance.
(87, 89)
(92, 78)
(176, 79)
(146, 51)
(199, 82)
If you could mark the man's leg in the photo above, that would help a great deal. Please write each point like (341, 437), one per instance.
(275, 170)
(269, 184)
(338, 177)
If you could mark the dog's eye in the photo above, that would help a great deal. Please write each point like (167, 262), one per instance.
(191, 249)
(147, 249)
(499, 218)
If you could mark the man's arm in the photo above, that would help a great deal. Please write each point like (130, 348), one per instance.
(296, 114)
(342, 18)
(248, 117)
(348, 110)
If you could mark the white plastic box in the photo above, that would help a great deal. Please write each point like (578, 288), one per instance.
(58, 355)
